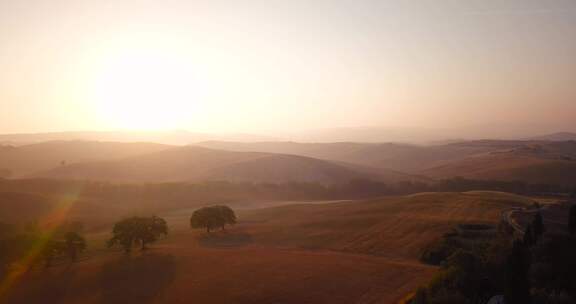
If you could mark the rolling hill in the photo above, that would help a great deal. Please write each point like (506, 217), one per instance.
(549, 162)
(559, 136)
(25, 160)
(544, 163)
(201, 164)
(401, 157)
(397, 227)
(362, 252)
(506, 167)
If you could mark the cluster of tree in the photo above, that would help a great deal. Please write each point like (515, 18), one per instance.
(141, 231)
(41, 246)
(137, 231)
(66, 241)
(536, 268)
(213, 217)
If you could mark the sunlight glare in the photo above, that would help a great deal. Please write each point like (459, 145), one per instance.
(146, 90)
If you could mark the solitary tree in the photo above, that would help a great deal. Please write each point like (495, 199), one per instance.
(572, 220)
(213, 217)
(137, 231)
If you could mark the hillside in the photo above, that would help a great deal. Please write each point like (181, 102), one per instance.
(24, 160)
(396, 227)
(548, 162)
(401, 157)
(363, 252)
(202, 164)
(559, 136)
(551, 163)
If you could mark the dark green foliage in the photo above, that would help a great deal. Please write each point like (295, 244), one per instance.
(539, 269)
(469, 237)
(572, 220)
(538, 226)
(137, 231)
(213, 217)
(517, 289)
(528, 239)
(467, 266)
(469, 256)
(554, 260)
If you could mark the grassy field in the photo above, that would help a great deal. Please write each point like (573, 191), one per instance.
(345, 252)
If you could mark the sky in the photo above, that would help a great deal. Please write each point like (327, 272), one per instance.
(264, 66)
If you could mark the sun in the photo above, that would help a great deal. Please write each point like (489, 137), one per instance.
(145, 91)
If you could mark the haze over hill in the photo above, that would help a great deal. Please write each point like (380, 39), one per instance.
(559, 136)
(547, 162)
(530, 161)
(23, 160)
(406, 135)
(287, 152)
(201, 164)
(177, 137)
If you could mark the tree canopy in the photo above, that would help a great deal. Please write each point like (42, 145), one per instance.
(213, 217)
(137, 231)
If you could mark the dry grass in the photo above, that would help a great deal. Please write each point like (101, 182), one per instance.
(263, 260)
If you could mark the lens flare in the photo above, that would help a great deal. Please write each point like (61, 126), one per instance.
(48, 225)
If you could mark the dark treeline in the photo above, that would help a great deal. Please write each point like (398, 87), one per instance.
(215, 191)
(535, 268)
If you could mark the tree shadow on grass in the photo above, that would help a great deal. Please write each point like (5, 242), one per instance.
(224, 239)
(46, 286)
(136, 279)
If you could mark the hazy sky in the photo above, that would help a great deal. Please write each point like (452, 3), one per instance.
(267, 65)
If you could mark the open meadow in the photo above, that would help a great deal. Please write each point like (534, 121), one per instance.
(340, 252)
